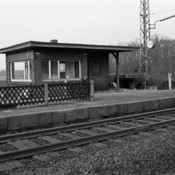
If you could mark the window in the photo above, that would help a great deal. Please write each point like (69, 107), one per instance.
(62, 69)
(56, 70)
(20, 71)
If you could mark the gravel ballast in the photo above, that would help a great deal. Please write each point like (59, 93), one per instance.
(154, 155)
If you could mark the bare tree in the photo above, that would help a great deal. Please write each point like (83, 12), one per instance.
(161, 60)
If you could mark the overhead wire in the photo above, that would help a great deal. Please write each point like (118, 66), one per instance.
(163, 11)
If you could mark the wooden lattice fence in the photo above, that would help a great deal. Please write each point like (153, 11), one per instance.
(47, 93)
(68, 91)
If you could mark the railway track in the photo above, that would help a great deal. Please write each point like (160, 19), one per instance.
(53, 139)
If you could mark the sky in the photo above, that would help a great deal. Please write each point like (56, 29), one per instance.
(79, 21)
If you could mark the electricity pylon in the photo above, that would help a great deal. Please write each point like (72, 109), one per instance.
(144, 37)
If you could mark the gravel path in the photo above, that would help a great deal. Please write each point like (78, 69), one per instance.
(144, 154)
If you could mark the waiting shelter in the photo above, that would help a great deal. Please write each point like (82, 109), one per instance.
(36, 63)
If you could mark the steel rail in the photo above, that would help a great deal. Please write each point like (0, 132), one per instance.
(30, 134)
(81, 141)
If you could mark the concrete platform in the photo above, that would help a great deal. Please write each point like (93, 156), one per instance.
(105, 104)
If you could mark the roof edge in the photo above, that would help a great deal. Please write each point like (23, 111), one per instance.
(36, 44)
(16, 47)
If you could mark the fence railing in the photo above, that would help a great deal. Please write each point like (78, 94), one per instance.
(44, 94)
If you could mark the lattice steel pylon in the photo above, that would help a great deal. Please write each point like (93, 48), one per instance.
(144, 36)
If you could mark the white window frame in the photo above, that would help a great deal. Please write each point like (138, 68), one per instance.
(24, 79)
(58, 65)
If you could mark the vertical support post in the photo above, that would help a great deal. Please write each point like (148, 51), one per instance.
(117, 71)
(92, 90)
(46, 93)
(116, 55)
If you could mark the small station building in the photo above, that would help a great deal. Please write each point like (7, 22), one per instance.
(36, 63)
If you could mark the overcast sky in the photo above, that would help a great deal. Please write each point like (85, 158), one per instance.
(79, 21)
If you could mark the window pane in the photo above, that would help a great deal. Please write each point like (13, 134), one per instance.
(77, 69)
(13, 70)
(45, 70)
(62, 66)
(72, 69)
(30, 70)
(26, 70)
(54, 70)
(62, 69)
(18, 70)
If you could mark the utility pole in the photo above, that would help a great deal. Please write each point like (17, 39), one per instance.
(144, 37)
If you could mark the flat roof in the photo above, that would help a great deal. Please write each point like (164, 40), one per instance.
(85, 47)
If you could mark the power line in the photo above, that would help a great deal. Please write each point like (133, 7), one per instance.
(163, 11)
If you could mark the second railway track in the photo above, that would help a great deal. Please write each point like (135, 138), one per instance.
(64, 137)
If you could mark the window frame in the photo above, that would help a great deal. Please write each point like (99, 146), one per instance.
(58, 66)
(24, 69)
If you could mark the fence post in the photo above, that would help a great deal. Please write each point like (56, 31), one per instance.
(46, 93)
(92, 90)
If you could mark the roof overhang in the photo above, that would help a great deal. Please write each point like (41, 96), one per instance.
(68, 46)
